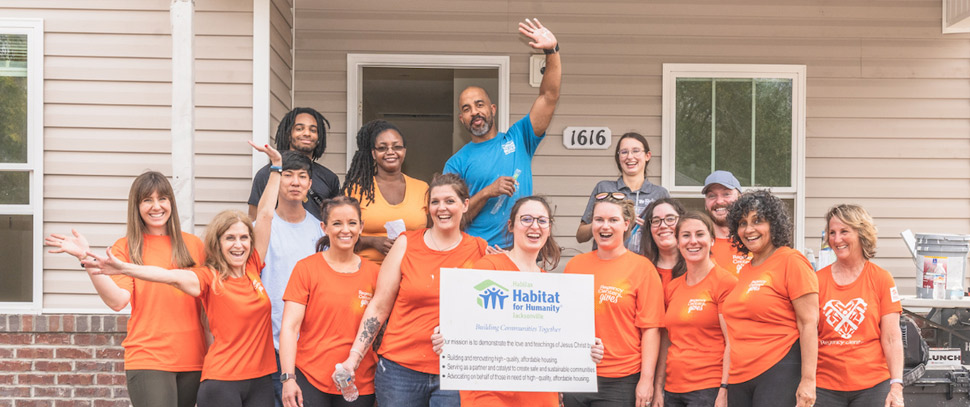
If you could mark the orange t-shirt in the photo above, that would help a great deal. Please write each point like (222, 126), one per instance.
(628, 296)
(407, 340)
(665, 276)
(759, 313)
(239, 318)
(335, 304)
(727, 256)
(164, 332)
(695, 358)
(502, 262)
(850, 355)
(375, 214)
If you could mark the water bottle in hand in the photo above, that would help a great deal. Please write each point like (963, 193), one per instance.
(345, 382)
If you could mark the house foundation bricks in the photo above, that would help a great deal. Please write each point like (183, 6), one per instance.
(62, 360)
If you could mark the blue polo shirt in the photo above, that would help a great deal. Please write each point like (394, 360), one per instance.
(480, 164)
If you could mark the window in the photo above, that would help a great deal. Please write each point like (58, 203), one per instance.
(746, 119)
(21, 184)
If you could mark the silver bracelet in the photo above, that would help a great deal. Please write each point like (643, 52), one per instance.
(894, 381)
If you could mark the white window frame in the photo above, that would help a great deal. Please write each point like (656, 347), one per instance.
(797, 73)
(355, 76)
(34, 29)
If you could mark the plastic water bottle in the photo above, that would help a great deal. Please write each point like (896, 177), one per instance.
(811, 258)
(345, 382)
(501, 198)
(939, 282)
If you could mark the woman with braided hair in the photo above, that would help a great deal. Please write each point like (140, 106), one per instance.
(385, 193)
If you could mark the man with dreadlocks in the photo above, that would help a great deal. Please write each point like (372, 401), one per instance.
(498, 166)
(385, 193)
(303, 130)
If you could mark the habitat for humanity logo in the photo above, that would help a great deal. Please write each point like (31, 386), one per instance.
(491, 294)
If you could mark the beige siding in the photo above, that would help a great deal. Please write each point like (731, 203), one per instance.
(107, 92)
(281, 61)
(888, 108)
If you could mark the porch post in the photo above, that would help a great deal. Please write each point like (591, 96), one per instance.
(183, 111)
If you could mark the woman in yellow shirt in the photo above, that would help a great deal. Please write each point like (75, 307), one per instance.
(385, 193)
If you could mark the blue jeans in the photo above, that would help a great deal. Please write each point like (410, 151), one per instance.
(399, 386)
(277, 385)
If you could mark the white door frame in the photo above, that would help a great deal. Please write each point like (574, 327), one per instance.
(357, 62)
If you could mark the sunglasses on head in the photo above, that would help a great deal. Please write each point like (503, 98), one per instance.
(615, 195)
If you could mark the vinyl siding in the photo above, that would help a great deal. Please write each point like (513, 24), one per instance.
(888, 96)
(107, 93)
(281, 61)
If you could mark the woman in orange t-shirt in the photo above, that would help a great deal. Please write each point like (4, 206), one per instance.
(628, 309)
(236, 370)
(772, 313)
(163, 355)
(407, 291)
(530, 225)
(385, 193)
(697, 354)
(860, 353)
(334, 287)
(658, 241)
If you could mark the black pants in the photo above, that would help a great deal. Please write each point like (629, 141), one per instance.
(775, 387)
(874, 396)
(157, 388)
(696, 398)
(313, 397)
(613, 392)
(256, 392)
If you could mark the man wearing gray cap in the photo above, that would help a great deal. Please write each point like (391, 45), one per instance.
(721, 190)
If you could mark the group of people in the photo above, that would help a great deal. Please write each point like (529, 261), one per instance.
(703, 309)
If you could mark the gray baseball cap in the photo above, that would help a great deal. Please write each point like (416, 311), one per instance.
(721, 177)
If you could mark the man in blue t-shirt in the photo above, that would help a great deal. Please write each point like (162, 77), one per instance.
(498, 166)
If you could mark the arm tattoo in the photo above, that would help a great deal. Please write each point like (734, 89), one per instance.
(371, 327)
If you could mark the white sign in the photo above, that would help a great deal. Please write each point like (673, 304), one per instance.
(587, 138)
(516, 331)
(943, 357)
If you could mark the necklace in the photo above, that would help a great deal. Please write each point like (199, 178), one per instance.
(438, 246)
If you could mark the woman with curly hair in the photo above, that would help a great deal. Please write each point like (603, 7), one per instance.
(772, 313)
(874, 343)
(385, 193)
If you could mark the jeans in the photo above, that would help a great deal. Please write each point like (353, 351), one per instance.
(399, 386)
(277, 384)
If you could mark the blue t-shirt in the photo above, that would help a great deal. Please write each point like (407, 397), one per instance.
(288, 244)
(480, 164)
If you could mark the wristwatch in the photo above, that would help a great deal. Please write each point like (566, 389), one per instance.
(551, 51)
(286, 376)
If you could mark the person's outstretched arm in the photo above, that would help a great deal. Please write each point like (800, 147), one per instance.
(263, 223)
(545, 104)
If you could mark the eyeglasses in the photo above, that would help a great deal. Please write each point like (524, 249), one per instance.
(635, 151)
(528, 220)
(616, 195)
(670, 220)
(383, 149)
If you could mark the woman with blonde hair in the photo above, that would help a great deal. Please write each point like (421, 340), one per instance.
(237, 367)
(860, 311)
(163, 355)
